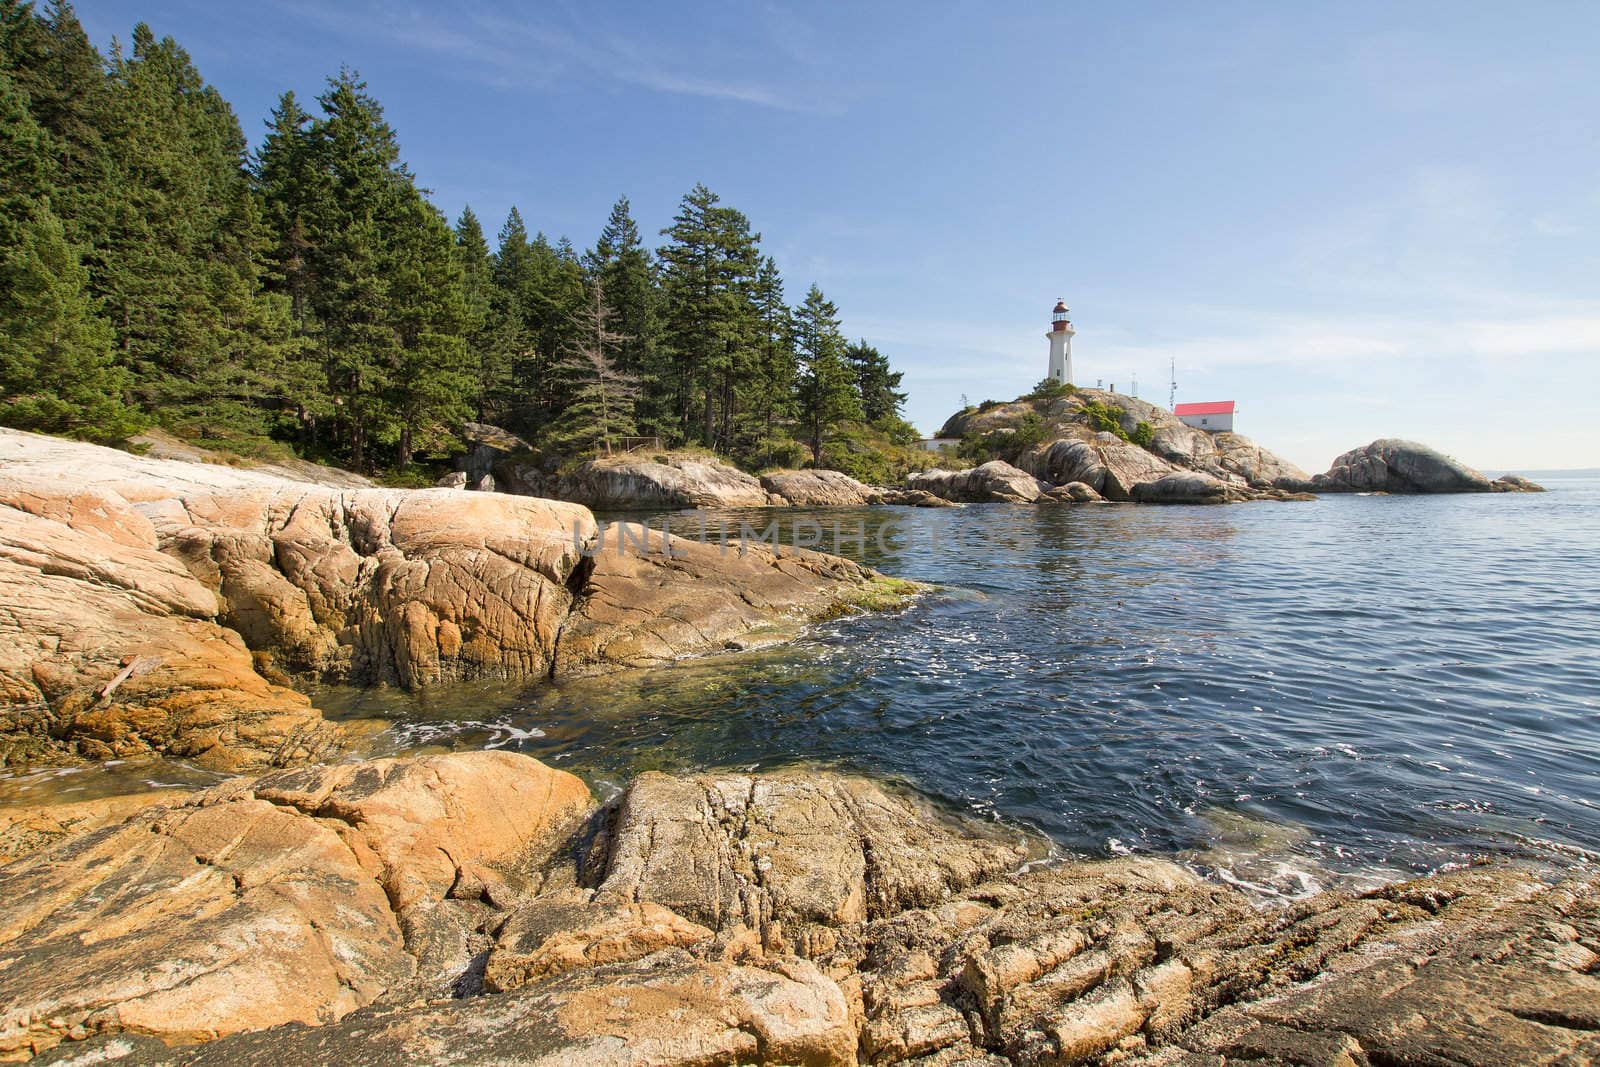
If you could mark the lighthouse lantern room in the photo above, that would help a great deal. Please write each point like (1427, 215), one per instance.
(1060, 338)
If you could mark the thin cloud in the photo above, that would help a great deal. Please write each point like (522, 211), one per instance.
(526, 52)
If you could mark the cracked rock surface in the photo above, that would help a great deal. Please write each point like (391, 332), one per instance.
(475, 908)
(295, 897)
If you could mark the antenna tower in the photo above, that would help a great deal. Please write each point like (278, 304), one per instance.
(1172, 399)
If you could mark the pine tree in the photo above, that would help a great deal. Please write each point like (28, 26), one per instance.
(708, 270)
(27, 171)
(480, 327)
(827, 389)
(59, 72)
(876, 384)
(180, 246)
(623, 268)
(555, 296)
(771, 391)
(293, 190)
(434, 381)
(56, 370)
(601, 397)
(351, 233)
(515, 336)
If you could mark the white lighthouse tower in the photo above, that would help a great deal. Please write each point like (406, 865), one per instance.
(1060, 337)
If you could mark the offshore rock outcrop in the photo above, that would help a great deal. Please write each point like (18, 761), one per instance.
(1228, 457)
(161, 607)
(1183, 465)
(797, 917)
(1389, 465)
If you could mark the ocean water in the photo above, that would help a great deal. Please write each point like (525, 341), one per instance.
(1287, 695)
(1284, 693)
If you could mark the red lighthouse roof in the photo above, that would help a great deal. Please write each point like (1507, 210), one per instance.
(1210, 407)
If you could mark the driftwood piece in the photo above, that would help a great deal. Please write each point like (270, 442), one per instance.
(132, 667)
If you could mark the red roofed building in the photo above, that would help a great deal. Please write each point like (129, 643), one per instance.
(1214, 416)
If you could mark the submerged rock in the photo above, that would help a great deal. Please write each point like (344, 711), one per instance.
(680, 480)
(992, 482)
(1390, 465)
(819, 488)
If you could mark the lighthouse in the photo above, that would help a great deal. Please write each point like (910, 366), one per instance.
(1060, 338)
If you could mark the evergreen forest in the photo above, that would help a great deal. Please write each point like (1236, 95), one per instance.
(156, 271)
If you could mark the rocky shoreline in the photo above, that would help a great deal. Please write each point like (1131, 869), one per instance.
(1089, 446)
(481, 908)
(161, 607)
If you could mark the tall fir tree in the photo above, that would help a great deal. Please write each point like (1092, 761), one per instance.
(56, 370)
(179, 252)
(623, 268)
(516, 333)
(556, 294)
(27, 169)
(62, 75)
(877, 385)
(434, 381)
(600, 396)
(771, 389)
(293, 188)
(350, 235)
(827, 389)
(480, 328)
(708, 270)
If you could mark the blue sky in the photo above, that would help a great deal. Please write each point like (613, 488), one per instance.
(1357, 220)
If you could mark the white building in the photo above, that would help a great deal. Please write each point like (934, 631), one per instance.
(1060, 338)
(1215, 416)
